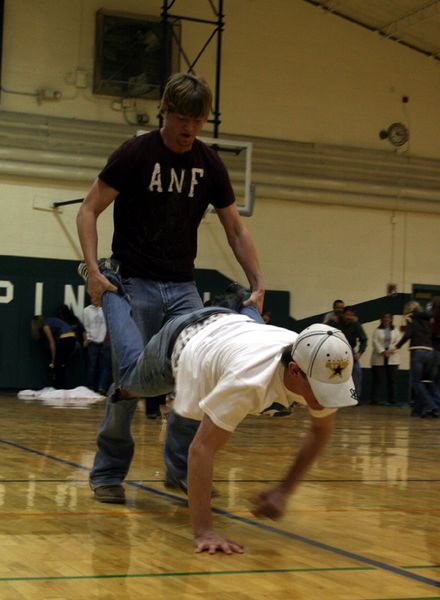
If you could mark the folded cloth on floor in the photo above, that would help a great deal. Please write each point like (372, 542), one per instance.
(50, 393)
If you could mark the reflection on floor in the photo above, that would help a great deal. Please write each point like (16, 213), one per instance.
(364, 523)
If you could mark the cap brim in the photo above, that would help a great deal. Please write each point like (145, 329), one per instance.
(334, 395)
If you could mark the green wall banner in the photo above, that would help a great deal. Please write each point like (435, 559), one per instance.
(35, 286)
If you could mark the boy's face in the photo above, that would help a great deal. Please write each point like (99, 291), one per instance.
(180, 131)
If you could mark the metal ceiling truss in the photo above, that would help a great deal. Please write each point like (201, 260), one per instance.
(217, 26)
(393, 30)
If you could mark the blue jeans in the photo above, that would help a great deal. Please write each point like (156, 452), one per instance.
(426, 396)
(153, 303)
(145, 370)
(357, 379)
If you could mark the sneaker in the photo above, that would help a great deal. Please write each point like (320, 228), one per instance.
(233, 298)
(112, 494)
(277, 410)
(109, 264)
(110, 268)
(82, 270)
(104, 264)
(238, 290)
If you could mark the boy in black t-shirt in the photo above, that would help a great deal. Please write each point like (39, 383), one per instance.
(161, 184)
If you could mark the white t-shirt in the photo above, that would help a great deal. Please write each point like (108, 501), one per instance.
(94, 323)
(232, 368)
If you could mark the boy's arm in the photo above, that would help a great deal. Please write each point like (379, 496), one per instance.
(244, 250)
(97, 200)
(272, 502)
(207, 441)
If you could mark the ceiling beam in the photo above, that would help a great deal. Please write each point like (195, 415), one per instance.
(395, 28)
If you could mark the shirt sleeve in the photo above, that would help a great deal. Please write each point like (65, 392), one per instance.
(362, 340)
(406, 336)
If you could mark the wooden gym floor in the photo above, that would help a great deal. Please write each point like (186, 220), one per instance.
(364, 524)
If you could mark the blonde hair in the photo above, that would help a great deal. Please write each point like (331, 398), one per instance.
(188, 95)
(411, 306)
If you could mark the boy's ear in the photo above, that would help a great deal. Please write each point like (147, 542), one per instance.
(293, 368)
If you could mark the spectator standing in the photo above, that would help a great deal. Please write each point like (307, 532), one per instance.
(384, 362)
(418, 332)
(357, 338)
(267, 316)
(99, 369)
(436, 339)
(333, 317)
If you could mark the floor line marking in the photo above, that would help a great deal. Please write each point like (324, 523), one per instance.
(39, 453)
(186, 574)
(262, 526)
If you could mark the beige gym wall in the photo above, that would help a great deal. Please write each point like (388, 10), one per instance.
(289, 71)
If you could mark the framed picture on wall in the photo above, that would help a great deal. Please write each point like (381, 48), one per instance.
(131, 58)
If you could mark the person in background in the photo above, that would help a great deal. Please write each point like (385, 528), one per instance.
(357, 338)
(418, 332)
(333, 317)
(61, 341)
(78, 360)
(161, 184)
(266, 316)
(66, 314)
(384, 362)
(435, 309)
(99, 367)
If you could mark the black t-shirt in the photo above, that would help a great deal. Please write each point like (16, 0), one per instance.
(162, 198)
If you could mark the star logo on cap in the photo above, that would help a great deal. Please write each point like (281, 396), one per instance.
(336, 367)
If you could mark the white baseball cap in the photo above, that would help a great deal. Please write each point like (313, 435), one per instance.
(325, 356)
